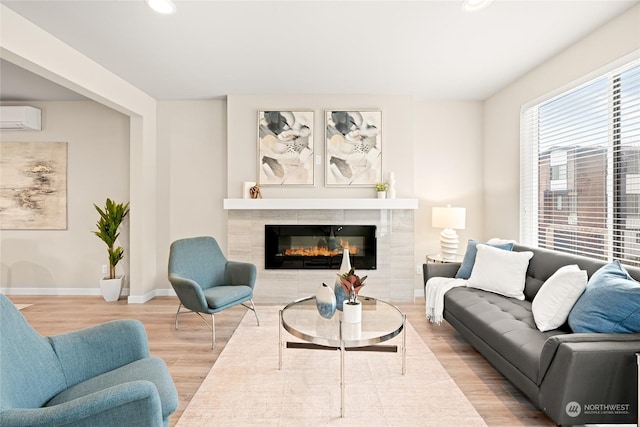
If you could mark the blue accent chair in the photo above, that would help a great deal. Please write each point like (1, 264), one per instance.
(97, 376)
(206, 282)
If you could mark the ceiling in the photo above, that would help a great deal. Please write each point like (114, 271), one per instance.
(208, 49)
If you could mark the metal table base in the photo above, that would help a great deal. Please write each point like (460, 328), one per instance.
(341, 347)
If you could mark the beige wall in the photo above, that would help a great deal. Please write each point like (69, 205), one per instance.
(460, 152)
(32, 48)
(448, 169)
(433, 147)
(501, 159)
(192, 179)
(192, 137)
(69, 261)
(397, 140)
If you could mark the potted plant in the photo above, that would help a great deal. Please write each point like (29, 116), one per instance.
(381, 188)
(111, 217)
(352, 284)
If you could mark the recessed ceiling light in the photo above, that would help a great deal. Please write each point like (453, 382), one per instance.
(474, 5)
(166, 7)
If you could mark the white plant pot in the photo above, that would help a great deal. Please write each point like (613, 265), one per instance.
(352, 312)
(382, 194)
(111, 288)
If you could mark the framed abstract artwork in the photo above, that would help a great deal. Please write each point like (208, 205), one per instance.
(33, 185)
(353, 141)
(285, 148)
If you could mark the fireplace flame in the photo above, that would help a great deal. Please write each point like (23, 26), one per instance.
(321, 250)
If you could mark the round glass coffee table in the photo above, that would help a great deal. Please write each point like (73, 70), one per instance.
(381, 322)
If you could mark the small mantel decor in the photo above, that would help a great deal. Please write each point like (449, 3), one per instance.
(381, 188)
(111, 217)
(352, 284)
(391, 182)
(255, 193)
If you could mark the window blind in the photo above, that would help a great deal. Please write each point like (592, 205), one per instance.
(580, 169)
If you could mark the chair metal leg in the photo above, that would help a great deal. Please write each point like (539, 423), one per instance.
(212, 326)
(213, 320)
(213, 332)
(177, 313)
(253, 307)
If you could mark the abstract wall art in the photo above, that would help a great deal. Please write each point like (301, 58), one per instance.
(353, 141)
(33, 185)
(285, 148)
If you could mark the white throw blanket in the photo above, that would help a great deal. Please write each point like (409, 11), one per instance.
(435, 290)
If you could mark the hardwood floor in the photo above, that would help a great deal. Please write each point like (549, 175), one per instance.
(189, 357)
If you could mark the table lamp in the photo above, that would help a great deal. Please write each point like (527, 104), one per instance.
(449, 219)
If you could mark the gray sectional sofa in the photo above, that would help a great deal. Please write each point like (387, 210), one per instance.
(576, 378)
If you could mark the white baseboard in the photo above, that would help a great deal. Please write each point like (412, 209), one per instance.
(56, 291)
(151, 295)
(88, 292)
(418, 293)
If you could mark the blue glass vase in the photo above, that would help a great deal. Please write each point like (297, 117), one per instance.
(340, 294)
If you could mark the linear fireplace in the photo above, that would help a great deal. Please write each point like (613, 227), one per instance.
(319, 246)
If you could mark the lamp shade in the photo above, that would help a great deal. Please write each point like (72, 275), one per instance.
(448, 217)
(165, 7)
(475, 5)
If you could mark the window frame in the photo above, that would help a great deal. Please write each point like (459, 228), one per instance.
(530, 191)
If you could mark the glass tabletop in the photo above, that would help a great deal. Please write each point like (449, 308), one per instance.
(381, 321)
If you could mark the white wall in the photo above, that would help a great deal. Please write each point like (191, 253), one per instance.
(193, 139)
(448, 170)
(434, 157)
(501, 158)
(206, 149)
(30, 47)
(69, 261)
(397, 140)
(434, 149)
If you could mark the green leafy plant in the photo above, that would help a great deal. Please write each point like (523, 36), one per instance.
(381, 186)
(111, 216)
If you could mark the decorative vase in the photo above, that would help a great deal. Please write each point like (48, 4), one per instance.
(246, 189)
(352, 312)
(325, 301)
(111, 288)
(340, 294)
(382, 194)
(391, 191)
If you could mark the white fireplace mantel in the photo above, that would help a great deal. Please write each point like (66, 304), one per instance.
(299, 204)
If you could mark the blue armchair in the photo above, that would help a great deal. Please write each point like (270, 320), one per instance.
(206, 282)
(98, 376)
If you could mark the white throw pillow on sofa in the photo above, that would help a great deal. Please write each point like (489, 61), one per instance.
(556, 297)
(499, 271)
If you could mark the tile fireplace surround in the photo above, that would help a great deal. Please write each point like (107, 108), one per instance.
(393, 280)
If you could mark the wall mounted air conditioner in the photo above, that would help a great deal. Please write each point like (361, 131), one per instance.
(19, 118)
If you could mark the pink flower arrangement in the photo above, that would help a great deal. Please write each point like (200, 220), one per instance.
(351, 283)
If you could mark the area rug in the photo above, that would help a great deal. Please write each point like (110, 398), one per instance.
(245, 387)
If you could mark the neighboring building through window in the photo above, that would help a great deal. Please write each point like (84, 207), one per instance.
(580, 169)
